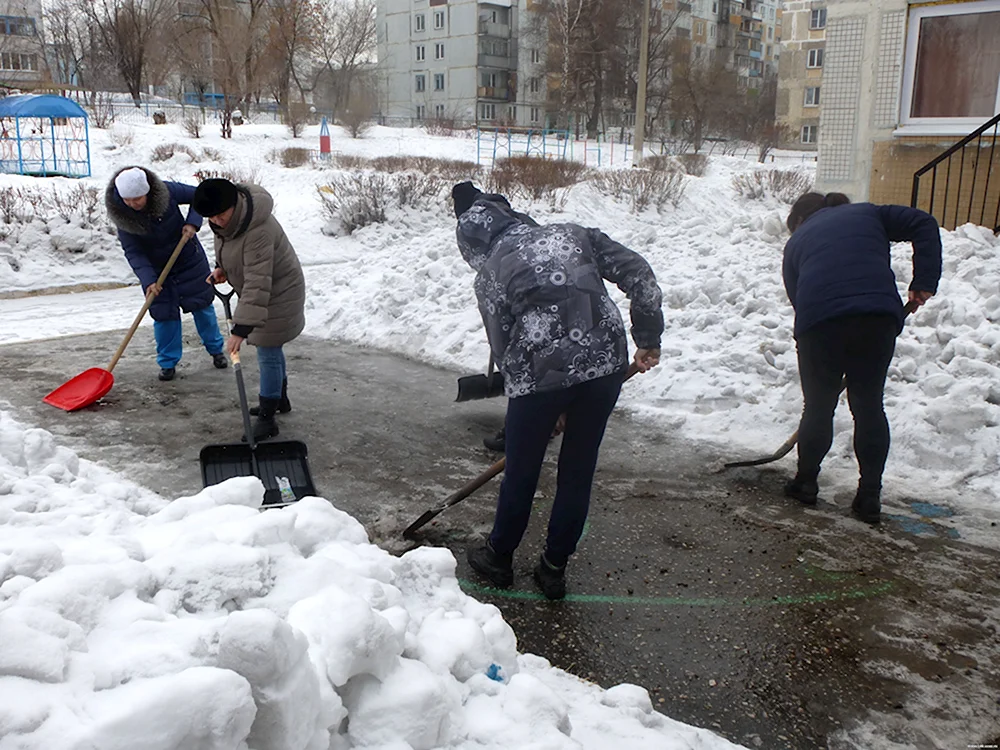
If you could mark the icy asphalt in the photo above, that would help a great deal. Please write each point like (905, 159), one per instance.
(775, 625)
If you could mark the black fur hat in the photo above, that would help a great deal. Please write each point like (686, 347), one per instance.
(214, 196)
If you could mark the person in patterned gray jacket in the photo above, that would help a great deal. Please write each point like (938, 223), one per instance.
(560, 343)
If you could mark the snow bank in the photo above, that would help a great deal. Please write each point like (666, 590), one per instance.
(206, 624)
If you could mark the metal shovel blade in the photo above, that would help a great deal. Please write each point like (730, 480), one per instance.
(285, 460)
(83, 390)
(477, 387)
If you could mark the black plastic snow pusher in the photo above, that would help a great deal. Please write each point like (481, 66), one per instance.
(476, 387)
(283, 467)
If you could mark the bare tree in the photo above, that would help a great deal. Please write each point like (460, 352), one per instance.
(130, 29)
(701, 97)
(295, 28)
(357, 117)
(345, 44)
(68, 37)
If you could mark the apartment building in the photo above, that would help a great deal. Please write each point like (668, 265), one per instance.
(745, 34)
(462, 60)
(21, 57)
(800, 72)
(903, 83)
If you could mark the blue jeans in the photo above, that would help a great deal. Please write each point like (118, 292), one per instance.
(170, 344)
(530, 421)
(271, 361)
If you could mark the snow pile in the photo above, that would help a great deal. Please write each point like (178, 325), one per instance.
(128, 622)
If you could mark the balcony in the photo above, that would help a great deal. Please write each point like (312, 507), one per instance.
(488, 28)
(498, 93)
(503, 62)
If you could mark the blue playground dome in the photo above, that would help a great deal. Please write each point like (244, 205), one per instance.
(44, 135)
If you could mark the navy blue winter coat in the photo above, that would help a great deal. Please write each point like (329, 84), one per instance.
(150, 236)
(837, 262)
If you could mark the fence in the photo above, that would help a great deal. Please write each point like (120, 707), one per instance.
(496, 143)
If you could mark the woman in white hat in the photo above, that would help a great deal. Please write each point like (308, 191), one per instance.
(146, 211)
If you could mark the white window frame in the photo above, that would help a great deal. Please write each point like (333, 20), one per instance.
(814, 60)
(535, 85)
(936, 125)
(536, 55)
(421, 111)
(535, 114)
(439, 111)
(421, 53)
(812, 15)
(439, 78)
(815, 98)
(485, 107)
(420, 83)
(439, 51)
(439, 20)
(419, 22)
(815, 134)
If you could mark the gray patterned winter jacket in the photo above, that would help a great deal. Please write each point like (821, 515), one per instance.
(548, 316)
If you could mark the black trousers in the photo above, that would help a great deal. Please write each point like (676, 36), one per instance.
(530, 421)
(858, 348)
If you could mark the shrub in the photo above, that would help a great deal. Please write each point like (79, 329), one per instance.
(294, 157)
(417, 189)
(662, 163)
(694, 164)
(642, 187)
(535, 178)
(348, 161)
(102, 110)
(121, 136)
(211, 154)
(784, 184)
(296, 118)
(192, 126)
(249, 174)
(166, 151)
(355, 200)
(448, 169)
(81, 201)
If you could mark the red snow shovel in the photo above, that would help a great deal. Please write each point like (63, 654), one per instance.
(93, 384)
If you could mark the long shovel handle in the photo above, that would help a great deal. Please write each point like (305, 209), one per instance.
(467, 489)
(786, 447)
(240, 385)
(149, 301)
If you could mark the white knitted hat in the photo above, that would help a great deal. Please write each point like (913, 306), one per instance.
(132, 183)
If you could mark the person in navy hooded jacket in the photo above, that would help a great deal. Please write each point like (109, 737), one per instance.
(848, 312)
(146, 212)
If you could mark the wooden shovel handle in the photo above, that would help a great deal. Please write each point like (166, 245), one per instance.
(149, 301)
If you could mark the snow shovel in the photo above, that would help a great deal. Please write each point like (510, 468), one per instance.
(467, 489)
(282, 467)
(475, 387)
(93, 384)
(786, 447)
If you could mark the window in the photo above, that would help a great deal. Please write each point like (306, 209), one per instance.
(18, 61)
(418, 22)
(770, 32)
(769, 51)
(535, 114)
(489, 79)
(439, 19)
(715, 8)
(699, 28)
(952, 66)
(818, 19)
(809, 133)
(812, 96)
(439, 111)
(421, 80)
(512, 113)
(439, 81)
(815, 58)
(535, 85)
(421, 111)
(14, 26)
(439, 52)
(711, 31)
(421, 53)
(536, 56)
(487, 111)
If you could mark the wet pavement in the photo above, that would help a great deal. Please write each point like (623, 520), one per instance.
(775, 625)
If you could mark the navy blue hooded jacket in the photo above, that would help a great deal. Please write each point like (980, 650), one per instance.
(837, 262)
(149, 237)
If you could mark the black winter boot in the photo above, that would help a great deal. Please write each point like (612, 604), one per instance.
(284, 405)
(803, 490)
(550, 579)
(496, 568)
(167, 373)
(498, 442)
(867, 505)
(220, 361)
(265, 426)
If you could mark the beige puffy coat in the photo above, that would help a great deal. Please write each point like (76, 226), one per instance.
(262, 267)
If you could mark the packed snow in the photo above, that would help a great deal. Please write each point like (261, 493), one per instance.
(729, 371)
(129, 621)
